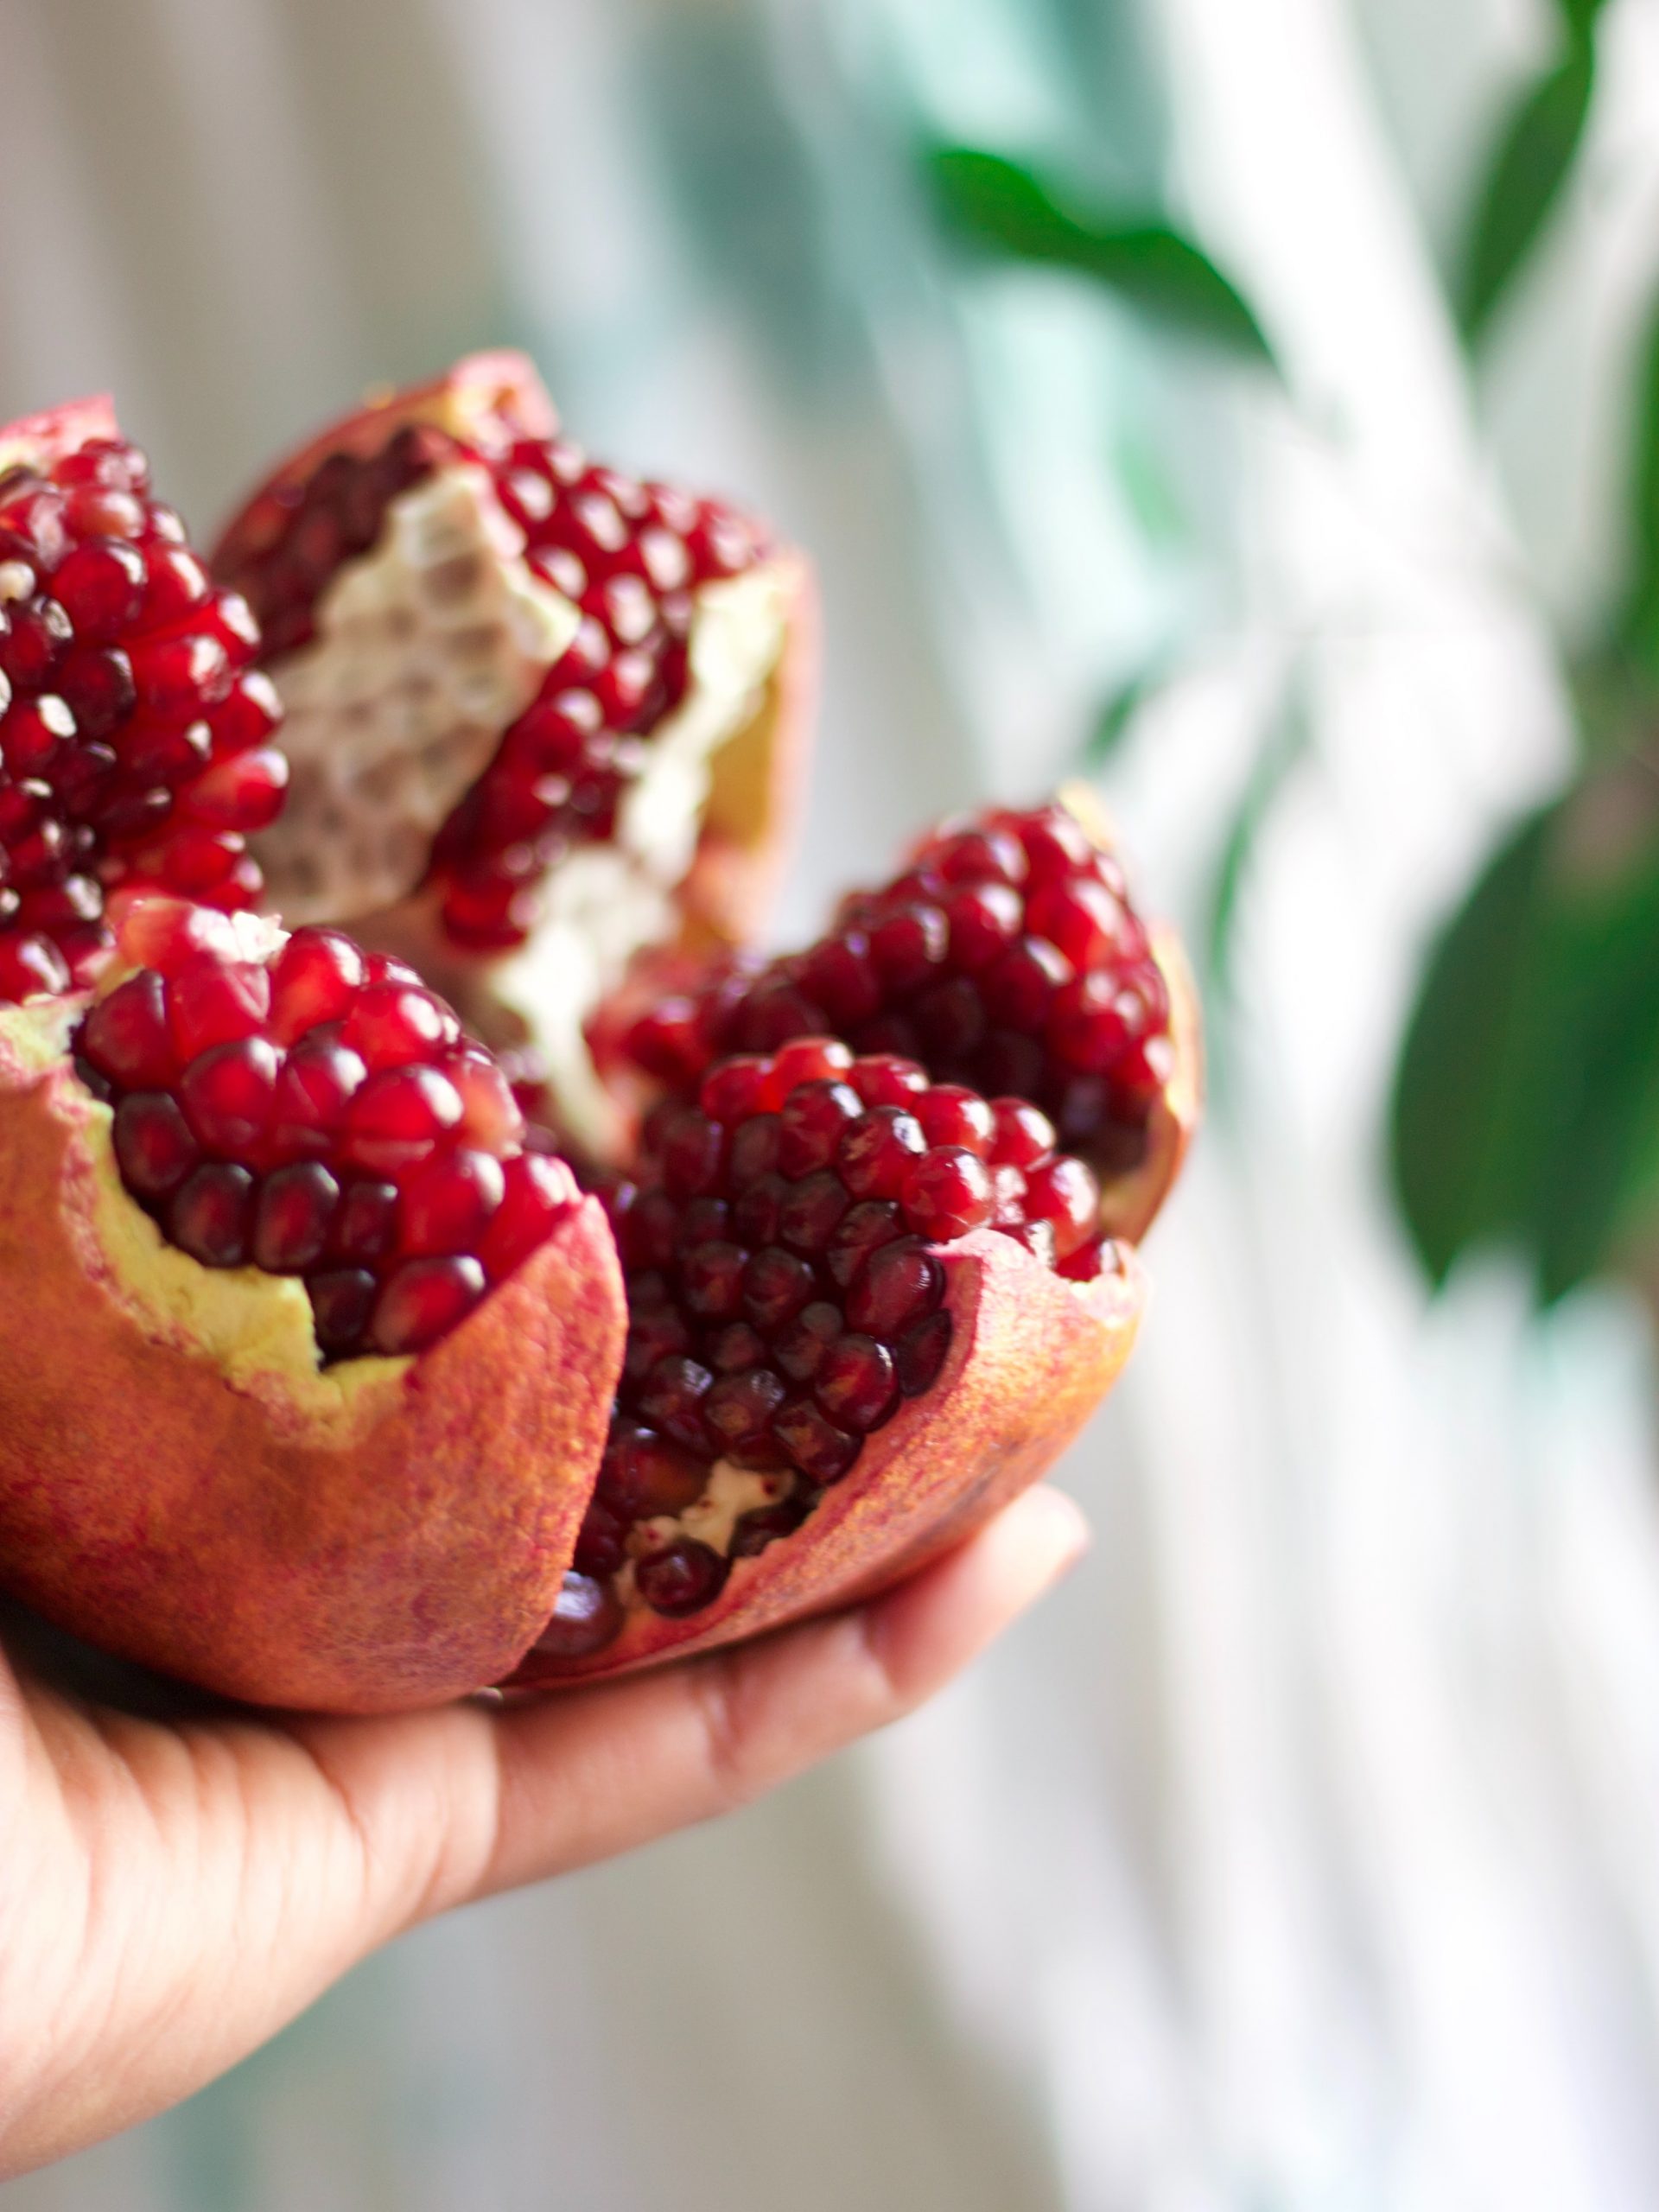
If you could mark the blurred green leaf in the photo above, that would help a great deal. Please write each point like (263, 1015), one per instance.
(1003, 206)
(1288, 739)
(1606, 1047)
(1639, 636)
(1579, 15)
(1533, 159)
(1118, 711)
(1469, 1122)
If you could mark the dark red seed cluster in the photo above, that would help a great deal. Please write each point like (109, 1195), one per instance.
(134, 730)
(1007, 957)
(318, 1115)
(630, 555)
(785, 1291)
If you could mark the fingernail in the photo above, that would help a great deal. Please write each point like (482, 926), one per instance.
(1057, 1526)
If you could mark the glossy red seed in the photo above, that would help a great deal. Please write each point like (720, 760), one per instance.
(857, 1385)
(449, 1203)
(293, 1214)
(811, 1122)
(422, 1300)
(947, 1193)
(887, 1079)
(797, 1349)
(920, 1354)
(211, 1214)
(877, 1152)
(862, 1230)
(342, 1299)
(823, 1451)
(395, 1121)
(711, 1280)
(736, 1347)
(671, 1398)
(153, 1144)
(126, 1035)
(901, 1284)
(227, 1094)
(586, 1618)
(213, 1001)
(29, 967)
(776, 1284)
(683, 1578)
(1024, 1134)
(395, 1025)
(810, 1211)
(317, 1083)
(644, 1474)
(737, 1410)
(491, 1118)
(754, 1150)
(951, 1114)
(314, 980)
(1062, 1192)
(537, 1192)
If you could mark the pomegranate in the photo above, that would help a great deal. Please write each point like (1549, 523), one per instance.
(305, 1361)
(863, 1309)
(540, 714)
(134, 731)
(1005, 956)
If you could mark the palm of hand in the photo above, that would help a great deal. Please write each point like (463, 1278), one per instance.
(178, 1878)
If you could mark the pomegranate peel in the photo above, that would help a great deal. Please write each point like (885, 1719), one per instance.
(179, 1482)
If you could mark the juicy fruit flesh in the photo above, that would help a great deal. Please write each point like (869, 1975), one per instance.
(1007, 957)
(630, 555)
(781, 1248)
(134, 729)
(317, 1114)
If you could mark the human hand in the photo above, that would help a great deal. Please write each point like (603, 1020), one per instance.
(178, 1879)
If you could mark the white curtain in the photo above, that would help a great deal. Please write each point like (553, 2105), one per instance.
(1301, 1854)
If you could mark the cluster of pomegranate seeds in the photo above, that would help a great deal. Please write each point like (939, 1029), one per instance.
(134, 729)
(786, 1291)
(629, 554)
(1007, 957)
(319, 1114)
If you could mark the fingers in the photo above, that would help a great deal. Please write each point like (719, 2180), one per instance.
(587, 1776)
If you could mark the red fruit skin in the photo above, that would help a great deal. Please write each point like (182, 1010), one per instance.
(359, 1550)
(1031, 1357)
(55, 431)
(501, 387)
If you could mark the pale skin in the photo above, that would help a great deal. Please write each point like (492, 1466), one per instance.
(178, 1881)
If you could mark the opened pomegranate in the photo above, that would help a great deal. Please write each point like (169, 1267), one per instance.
(1007, 957)
(541, 714)
(135, 732)
(862, 1307)
(305, 1363)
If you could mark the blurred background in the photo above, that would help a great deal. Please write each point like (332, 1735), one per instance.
(1255, 408)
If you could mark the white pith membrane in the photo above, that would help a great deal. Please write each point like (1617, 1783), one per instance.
(711, 1518)
(255, 1328)
(427, 648)
(602, 903)
(382, 752)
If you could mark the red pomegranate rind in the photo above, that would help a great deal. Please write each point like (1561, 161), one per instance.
(134, 731)
(377, 1541)
(1031, 1357)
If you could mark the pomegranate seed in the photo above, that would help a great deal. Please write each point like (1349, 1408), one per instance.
(422, 1300)
(212, 1002)
(920, 1354)
(683, 1578)
(877, 1152)
(822, 1451)
(901, 1284)
(395, 1025)
(1023, 1135)
(396, 1119)
(811, 1121)
(586, 1618)
(318, 1082)
(857, 1385)
(293, 1215)
(1062, 1191)
(342, 1299)
(798, 1349)
(210, 1214)
(739, 1408)
(537, 1192)
(810, 1211)
(126, 1035)
(227, 1094)
(948, 1192)
(448, 1204)
(153, 1144)
(776, 1284)
(365, 1227)
(737, 1348)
